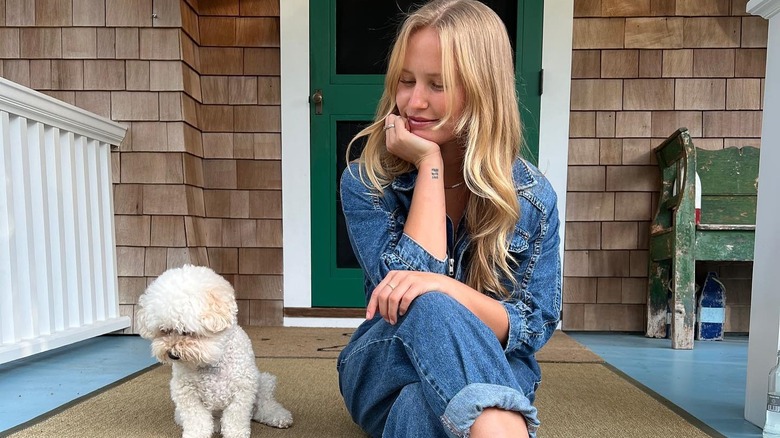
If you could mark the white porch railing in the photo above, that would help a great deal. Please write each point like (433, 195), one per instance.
(58, 276)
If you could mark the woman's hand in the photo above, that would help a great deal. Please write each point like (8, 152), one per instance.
(393, 295)
(405, 145)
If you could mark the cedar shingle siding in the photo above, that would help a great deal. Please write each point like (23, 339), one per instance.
(198, 177)
(640, 70)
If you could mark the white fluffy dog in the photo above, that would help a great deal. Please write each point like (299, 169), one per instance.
(189, 314)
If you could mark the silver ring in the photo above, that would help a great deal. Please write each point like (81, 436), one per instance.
(392, 287)
(390, 126)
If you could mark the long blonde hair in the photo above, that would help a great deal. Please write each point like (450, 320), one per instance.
(476, 51)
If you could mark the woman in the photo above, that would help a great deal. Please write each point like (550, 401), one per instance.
(457, 237)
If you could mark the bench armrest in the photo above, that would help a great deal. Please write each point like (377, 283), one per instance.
(676, 158)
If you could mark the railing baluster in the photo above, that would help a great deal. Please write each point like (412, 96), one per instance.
(41, 255)
(95, 224)
(8, 280)
(83, 205)
(53, 156)
(110, 277)
(71, 233)
(25, 322)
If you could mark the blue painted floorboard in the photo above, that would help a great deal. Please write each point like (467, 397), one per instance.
(35, 385)
(708, 382)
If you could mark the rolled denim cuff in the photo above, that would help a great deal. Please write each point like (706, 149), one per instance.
(411, 256)
(469, 402)
(518, 324)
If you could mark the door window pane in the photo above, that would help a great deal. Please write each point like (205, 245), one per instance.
(365, 29)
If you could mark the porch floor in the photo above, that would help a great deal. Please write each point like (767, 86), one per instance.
(707, 382)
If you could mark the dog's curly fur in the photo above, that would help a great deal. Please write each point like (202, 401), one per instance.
(189, 314)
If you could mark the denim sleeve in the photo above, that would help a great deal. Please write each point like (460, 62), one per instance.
(535, 308)
(377, 238)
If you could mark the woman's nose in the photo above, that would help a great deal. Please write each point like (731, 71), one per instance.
(419, 98)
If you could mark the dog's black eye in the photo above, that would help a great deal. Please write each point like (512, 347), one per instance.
(186, 333)
(165, 331)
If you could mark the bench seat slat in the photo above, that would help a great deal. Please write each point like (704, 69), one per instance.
(727, 246)
(736, 209)
(725, 227)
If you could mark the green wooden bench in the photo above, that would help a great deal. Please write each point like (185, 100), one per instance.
(725, 232)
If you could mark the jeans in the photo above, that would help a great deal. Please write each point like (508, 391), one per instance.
(432, 373)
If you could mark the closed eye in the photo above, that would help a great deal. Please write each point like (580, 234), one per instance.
(434, 85)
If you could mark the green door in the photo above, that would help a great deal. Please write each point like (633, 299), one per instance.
(349, 43)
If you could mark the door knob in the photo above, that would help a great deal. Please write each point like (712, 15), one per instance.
(316, 99)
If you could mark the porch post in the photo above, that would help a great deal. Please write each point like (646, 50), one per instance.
(765, 299)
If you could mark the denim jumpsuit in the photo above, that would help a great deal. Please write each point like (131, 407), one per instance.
(434, 371)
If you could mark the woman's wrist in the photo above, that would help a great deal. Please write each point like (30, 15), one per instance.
(432, 160)
(431, 167)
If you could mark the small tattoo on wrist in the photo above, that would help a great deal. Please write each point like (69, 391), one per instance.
(434, 173)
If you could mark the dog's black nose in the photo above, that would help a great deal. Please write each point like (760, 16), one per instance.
(173, 356)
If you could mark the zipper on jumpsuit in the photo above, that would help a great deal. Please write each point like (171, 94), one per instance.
(451, 249)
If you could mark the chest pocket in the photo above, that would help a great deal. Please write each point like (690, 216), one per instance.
(519, 241)
(517, 246)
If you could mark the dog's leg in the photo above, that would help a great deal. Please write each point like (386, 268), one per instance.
(237, 416)
(268, 410)
(195, 420)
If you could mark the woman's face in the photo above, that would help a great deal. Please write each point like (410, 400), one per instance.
(420, 97)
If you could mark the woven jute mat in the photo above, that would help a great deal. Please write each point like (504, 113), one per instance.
(580, 396)
(304, 342)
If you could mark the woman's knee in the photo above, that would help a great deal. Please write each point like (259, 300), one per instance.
(494, 422)
(436, 312)
(436, 303)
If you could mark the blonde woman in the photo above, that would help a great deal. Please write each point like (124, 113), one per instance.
(457, 237)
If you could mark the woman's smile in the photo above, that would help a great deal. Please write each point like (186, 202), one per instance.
(419, 123)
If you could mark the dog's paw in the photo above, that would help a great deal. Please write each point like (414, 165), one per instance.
(280, 422)
(275, 416)
(190, 433)
(237, 432)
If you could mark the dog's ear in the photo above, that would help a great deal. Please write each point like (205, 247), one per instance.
(141, 324)
(221, 310)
